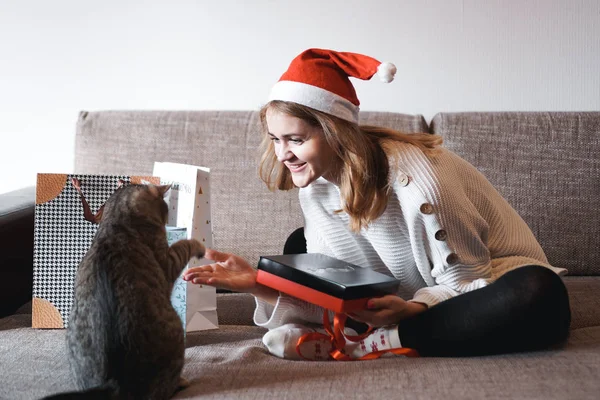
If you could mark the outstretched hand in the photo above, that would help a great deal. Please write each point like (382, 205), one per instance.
(228, 272)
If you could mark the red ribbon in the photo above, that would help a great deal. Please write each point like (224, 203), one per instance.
(337, 339)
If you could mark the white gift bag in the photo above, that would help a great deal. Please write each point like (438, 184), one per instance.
(189, 207)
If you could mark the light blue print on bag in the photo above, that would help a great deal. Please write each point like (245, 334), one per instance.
(178, 298)
(178, 295)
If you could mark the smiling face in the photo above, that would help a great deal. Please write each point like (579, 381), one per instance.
(302, 148)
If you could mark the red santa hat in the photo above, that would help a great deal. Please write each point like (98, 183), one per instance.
(319, 79)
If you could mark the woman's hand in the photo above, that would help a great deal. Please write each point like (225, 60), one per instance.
(387, 310)
(229, 272)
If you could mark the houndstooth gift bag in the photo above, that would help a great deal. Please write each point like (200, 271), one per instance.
(67, 209)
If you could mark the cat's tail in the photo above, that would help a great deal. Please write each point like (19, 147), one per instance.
(108, 391)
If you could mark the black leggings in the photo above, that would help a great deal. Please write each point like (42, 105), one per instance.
(525, 309)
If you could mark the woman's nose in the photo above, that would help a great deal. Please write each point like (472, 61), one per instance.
(283, 153)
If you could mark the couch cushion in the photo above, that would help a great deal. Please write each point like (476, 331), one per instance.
(584, 299)
(232, 363)
(547, 165)
(247, 219)
(236, 308)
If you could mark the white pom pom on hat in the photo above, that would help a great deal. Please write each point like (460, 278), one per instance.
(386, 72)
(319, 78)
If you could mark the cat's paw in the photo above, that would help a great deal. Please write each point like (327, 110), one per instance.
(198, 249)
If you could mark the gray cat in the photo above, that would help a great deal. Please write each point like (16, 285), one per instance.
(125, 340)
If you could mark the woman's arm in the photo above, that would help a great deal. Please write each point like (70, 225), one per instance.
(265, 293)
(273, 309)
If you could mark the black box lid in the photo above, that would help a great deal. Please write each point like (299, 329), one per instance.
(329, 275)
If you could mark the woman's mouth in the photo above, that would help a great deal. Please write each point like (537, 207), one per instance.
(296, 167)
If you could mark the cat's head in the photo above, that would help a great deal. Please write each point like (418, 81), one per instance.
(138, 201)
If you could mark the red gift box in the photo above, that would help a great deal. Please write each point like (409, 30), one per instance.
(325, 281)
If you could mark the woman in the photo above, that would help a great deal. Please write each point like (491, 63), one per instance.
(473, 278)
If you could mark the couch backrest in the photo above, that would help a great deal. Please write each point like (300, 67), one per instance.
(247, 219)
(547, 165)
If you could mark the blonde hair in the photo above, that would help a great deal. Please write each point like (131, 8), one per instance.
(364, 152)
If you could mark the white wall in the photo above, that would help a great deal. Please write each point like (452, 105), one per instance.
(59, 57)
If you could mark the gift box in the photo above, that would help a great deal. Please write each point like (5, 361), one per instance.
(328, 282)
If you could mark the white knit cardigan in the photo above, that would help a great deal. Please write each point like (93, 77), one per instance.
(446, 231)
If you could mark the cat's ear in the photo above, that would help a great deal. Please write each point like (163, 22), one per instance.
(163, 189)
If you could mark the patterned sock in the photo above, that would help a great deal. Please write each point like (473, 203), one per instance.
(282, 342)
(383, 338)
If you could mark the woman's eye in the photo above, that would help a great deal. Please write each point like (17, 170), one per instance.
(296, 141)
(274, 139)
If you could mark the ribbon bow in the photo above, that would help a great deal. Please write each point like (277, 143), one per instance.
(338, 340)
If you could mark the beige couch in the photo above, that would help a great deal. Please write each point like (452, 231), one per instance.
(546, 164)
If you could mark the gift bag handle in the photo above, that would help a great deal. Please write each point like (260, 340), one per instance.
(87, 212)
